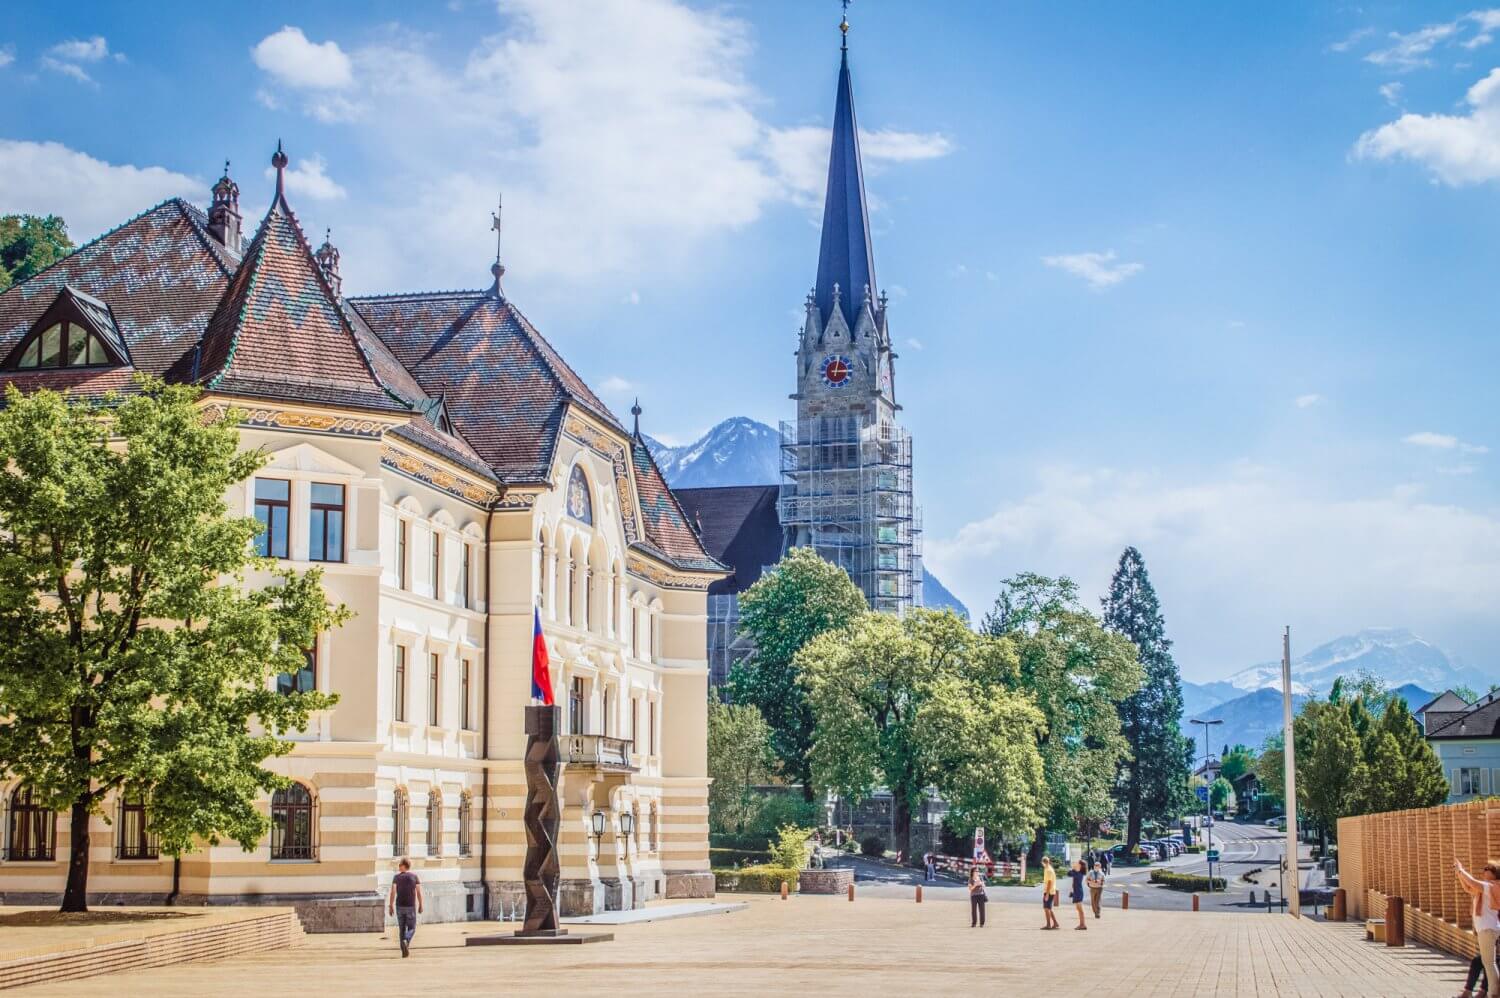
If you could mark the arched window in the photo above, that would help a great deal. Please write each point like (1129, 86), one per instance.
(434, 823)
(33, 828)
(63, 344)
(465, 822)
(398, 822)
(293, 824)
(580, 503)
(132, 839)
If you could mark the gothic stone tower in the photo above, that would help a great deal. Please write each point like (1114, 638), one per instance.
(846, 462)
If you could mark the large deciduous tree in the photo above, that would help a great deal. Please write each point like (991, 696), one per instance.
(1153, 777)
(1076, 672)
(30, 243)
(804, 596)
(922, 701)
(133, 658)
(739, 756)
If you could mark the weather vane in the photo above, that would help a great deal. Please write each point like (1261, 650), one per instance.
(844, 24)
(499, 268)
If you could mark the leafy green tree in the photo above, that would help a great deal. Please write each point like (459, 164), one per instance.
(1236, 762)
(1219, 793)
(804, 596)
(1468, 693)
(1421, 782)
(1076, 672)
(133, 657)
(1331, 770)
(1152, 783)
(30, 243)
(918, 702)
(739, 756)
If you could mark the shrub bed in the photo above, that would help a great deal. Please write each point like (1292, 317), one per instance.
(756, 879)
(1186, 881)
(872, 845)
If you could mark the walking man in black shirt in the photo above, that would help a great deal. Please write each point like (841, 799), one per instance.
(405, 902)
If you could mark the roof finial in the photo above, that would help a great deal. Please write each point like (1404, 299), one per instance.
(844, 28)
(635, 411)
(499, 268)
(279, 161)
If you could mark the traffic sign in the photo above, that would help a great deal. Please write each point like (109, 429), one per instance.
(1203, 794)
(1213, 855)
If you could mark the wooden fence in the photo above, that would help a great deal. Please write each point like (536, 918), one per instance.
(1409, 854)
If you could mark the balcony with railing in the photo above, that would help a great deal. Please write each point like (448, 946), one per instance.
(597, 752)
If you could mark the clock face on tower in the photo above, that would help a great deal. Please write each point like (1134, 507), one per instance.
(836, 371)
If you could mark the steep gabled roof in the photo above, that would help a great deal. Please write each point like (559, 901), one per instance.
(279, 333)
(740, 528)
(845, 256)
(666, 527)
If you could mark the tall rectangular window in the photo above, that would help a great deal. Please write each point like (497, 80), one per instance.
(609, 727)
(635, 725)
(437, 565)
(651, 728)
(325, 523)
(305, 679)
(401, 533)
(273, 507)
(432, 690)
(575, 706)
(465, 593)
(134, 842)
(398, 709)
(466, 697)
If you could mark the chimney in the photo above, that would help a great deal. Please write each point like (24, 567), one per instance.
(224, 212)
(328, 262)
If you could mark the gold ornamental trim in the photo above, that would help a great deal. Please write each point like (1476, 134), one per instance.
(608, 446)
(436, 476)
(667, 578)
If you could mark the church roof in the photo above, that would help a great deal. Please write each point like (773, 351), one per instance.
(739, 526)
(845, 257)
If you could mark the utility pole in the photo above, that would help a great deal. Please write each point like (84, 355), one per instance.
(1208, 798)
(1289, 755)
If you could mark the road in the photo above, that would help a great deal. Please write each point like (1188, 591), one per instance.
(1242, 849)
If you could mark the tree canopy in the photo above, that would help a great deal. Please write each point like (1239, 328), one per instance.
(739, 756)
(30, 243)
(133, 656)
(802, 597)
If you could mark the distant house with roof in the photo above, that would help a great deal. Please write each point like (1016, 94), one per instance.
(1466, 738)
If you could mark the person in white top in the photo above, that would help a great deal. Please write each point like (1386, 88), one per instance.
(1486, 893)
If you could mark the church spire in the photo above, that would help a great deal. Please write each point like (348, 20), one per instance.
(845, 258)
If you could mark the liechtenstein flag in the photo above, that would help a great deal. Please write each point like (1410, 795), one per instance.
(541, 674)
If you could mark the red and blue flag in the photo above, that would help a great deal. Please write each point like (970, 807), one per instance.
(541, 672)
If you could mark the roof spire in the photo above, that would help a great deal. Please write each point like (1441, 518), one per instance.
(844, 30)
(845, 257)
(635, 411)
(224, 212)
(279, 161)
(499, 268)
(327, 258)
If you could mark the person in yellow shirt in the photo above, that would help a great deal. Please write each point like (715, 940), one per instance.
(1049, 893)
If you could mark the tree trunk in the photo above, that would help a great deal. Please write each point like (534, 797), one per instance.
(807, 787)
(1038, 849)
(901, 822)
(1133, 821)
(76, 894)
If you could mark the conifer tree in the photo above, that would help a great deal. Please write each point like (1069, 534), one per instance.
(1153, 780)
(1423, 783)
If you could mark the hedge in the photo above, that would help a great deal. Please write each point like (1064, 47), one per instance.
(756, 879)
(1186, 881)
(726, 858)
(748, 842)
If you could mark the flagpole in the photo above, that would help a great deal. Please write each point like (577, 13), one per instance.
(1289, 757)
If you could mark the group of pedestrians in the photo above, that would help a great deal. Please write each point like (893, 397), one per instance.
(1080, 873)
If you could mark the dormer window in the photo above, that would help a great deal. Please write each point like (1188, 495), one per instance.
(77, 330)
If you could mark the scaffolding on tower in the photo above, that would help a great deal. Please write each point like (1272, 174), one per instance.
(846, 492)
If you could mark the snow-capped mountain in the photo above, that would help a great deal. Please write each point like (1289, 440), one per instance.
(743, 451)
(1393, 654)
(739, 451)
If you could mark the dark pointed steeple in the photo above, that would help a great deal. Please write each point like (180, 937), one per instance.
(845, 258)
(224, 212)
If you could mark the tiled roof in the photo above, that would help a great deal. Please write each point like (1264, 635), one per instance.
(279, 333)
(666, 526)
(739, 526)
(161, 278)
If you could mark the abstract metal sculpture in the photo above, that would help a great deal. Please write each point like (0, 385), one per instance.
(541, 820)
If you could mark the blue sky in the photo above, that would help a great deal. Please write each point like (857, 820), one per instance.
(1215, 281)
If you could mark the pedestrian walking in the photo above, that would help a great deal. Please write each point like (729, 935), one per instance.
(1096, 887)
(977, 898)
(1109, 862)
(405, 902)
(930, 862)
(1049, 893)
(1476, 983)
(1486, 894)
(1077, 872)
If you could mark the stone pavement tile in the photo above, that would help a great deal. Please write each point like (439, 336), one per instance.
(828, 946)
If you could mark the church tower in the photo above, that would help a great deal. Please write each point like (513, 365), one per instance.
(846, 462)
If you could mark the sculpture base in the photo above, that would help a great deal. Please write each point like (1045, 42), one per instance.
(543, 938)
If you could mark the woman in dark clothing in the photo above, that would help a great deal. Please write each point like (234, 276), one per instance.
(977, 898)
(1077, 872)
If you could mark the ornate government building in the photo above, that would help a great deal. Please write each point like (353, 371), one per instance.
(449, 472)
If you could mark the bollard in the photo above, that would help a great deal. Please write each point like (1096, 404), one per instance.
(1124, 900)
(1195, 902)
(783, 890)
(919, 894)
(851, 892)
(1340, 906)
(1395, 922)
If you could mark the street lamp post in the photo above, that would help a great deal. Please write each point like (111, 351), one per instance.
(1208, 797)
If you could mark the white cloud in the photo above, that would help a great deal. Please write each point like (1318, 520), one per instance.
(1458, 149)
(1411, 50)
(307, 178)
(296, 62)
(90, 194)
(1099, 269)
(1392, 93)
(1237, 552)
(7, 56)
(633, 298)
(1457, 469)
(84, 50)
(1351, 39)
(614, 385)
(799, 155)
(66, 69)
(1309, 400)
(1443, 441)
(915, 343)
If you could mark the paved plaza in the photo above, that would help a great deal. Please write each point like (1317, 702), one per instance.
(821, 945)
